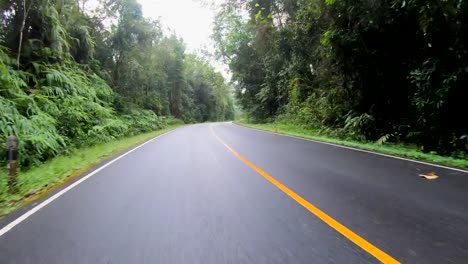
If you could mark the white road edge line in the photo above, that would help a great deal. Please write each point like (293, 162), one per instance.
(356, 149)
(38, 207)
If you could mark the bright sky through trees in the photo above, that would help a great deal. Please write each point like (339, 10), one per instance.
(190, 19)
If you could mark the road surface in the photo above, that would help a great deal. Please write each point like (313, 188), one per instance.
(201, 194)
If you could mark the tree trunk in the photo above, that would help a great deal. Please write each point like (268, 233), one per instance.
(23, 23)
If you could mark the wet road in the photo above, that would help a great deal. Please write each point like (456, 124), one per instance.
(195, 195)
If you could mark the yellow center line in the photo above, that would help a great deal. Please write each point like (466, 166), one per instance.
(355, 238)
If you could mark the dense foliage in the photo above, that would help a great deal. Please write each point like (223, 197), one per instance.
(71, 76)
(377, 70)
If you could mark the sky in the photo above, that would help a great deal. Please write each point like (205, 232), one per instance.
(191, 19)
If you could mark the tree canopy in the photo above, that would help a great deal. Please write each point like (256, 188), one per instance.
(377, 70)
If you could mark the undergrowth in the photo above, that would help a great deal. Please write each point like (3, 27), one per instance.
(59, 107)
(345, 139)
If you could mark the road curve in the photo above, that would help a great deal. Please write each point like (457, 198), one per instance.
(187, 198)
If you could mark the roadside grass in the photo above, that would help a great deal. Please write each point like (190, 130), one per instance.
(40, 180)
(411, 152)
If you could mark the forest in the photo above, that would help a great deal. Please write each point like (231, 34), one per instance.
(72, 77)
(384, 71)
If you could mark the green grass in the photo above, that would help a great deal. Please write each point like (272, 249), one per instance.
(410, 152)
(40, 180)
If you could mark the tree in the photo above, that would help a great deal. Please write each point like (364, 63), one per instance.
(368, 69)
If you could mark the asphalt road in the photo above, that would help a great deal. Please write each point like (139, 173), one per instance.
(186, 198)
